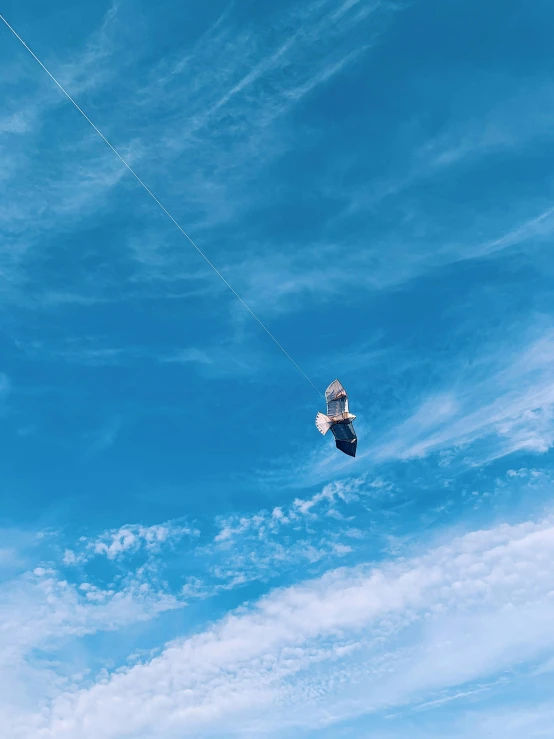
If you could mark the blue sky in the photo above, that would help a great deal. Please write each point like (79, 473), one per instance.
(181, 552)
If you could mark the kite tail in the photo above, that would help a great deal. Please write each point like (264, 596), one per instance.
(323, 423)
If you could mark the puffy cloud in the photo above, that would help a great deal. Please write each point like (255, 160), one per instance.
(129, 539)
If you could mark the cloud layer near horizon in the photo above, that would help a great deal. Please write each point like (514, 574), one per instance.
(357, 640)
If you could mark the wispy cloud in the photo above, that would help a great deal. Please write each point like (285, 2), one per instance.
(521, 718)
(284, 281)
(217, 125)
(515, 113)
(215, 121)
(50, 195)
(230, 356)
(417, 243)
(513, 408)
(264, 72)
(506, 407)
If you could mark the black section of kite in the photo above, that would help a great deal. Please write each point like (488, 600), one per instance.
(338, 419)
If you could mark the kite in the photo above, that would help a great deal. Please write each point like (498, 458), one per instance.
(338, 419)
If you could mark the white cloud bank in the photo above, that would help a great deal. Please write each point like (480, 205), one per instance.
(356, 640)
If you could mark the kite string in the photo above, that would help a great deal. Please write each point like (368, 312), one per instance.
(155, 199)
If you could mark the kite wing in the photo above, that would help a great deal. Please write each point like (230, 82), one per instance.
(337, 399)
(345, 438)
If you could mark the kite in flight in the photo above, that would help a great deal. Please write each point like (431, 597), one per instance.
(338, 419)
